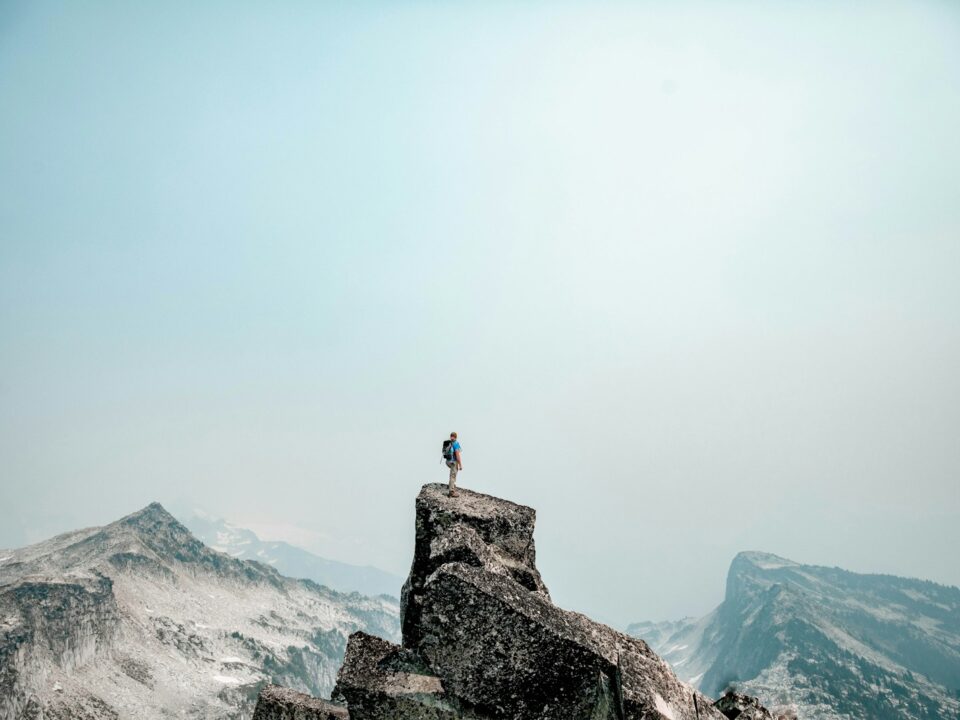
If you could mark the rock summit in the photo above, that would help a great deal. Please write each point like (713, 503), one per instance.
(483, 641)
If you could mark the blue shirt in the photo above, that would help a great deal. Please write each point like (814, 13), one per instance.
(454, 449)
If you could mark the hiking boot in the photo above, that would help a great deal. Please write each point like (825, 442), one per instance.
(454, 493)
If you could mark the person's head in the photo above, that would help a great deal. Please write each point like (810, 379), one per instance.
(453, 436)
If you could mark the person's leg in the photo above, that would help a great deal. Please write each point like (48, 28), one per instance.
(453, 478)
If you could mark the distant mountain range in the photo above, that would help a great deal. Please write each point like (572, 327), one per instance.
(288, 559)
(140, 619)
(835, 644)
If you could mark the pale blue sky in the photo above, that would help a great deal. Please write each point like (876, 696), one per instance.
(682, 275)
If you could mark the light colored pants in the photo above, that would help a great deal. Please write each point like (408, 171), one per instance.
(453, 475)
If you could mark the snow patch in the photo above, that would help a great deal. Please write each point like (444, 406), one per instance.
(663, 708)
(232, 660)
(226, 679)
(4, 559)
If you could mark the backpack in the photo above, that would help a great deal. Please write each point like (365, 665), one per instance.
(448, 452)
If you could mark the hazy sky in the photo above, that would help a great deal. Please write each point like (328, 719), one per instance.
(685, 277)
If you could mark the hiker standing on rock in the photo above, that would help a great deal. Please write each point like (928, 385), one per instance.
(451, 453)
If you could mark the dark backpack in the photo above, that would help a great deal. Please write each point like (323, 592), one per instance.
(448, 452)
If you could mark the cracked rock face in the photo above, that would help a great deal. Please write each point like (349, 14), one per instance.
(483, 641)
(474, 529)
(46, 625)
(383, 681)
(476, 610)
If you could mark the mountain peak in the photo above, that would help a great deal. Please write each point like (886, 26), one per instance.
(152, 523)
(138, 619)
(158, 533)
(154, 510)
(763, 560)
(825, 640)
(753, 572)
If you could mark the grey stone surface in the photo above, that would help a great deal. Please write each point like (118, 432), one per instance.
(512, 653)
(474, 528)
(482, 639)
(279, 703)
(383, 681)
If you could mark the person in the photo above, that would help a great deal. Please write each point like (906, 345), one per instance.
(454, 462)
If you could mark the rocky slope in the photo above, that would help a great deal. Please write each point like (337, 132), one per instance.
(483, 641)
(835, 644)
(288, 559)
(139, 619)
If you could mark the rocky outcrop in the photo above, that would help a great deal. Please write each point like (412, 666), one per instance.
(472, 529)
(735, 706)
(278, 703)
(486, 626)
(482, 639)
(50, 625)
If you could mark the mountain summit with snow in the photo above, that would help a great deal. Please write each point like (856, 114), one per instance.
(836, 645)
(139, 619)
